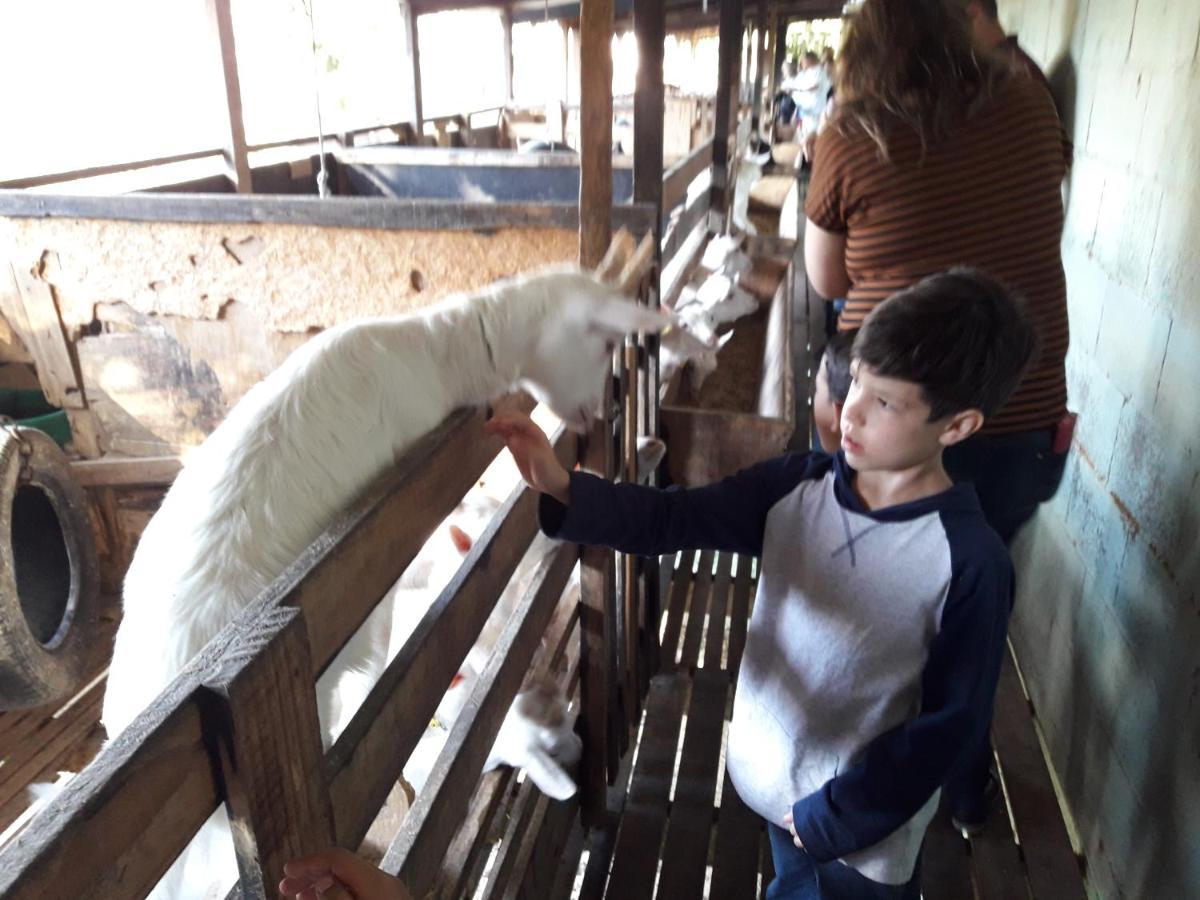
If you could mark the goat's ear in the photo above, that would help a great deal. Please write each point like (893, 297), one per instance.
(724, 339)
(620, 317)
(545, 772)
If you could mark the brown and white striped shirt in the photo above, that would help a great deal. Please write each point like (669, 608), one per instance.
(989, 196)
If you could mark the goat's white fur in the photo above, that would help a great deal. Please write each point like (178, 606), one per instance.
(302, 444)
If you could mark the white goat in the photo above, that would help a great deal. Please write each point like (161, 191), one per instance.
(724, 255)
(302, 444)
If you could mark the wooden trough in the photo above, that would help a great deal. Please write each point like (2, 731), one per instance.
(746, 410)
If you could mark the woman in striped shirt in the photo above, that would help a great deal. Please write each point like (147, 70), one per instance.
(938, 156)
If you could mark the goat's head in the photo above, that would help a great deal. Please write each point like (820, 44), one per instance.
(585, 321)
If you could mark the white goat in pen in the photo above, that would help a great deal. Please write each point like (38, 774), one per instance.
(302, 444)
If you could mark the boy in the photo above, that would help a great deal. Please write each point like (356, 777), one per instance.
(830, 388)
(879, 627)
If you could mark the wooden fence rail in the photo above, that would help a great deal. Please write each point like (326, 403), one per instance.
(239, 725)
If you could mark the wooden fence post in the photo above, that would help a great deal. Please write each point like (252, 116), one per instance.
(262, 708)
(649, 24)
(595, 231)
(235, 143)
(729, 54)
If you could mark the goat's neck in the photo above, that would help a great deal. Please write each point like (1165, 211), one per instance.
(486, 341)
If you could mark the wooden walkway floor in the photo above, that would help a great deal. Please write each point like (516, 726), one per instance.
(677, 829)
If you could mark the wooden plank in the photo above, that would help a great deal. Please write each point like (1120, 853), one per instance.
(33, 314)
(736, 851)
(945, 862)
(718, 610)
(702, 584)
(693, 219)
(262, 714)
(1050, 862)
(519, 820)
(677, 179)
(470, 843)
(685, 848)
(467, 852)
(635, 857)
(360, 556)
(330, 212)
(148, 471)
(739, 614)
(221, 25)
(368, 757)
(431, 823)
(52, 740)
(681, 585)
(566, 869)
(996, 866)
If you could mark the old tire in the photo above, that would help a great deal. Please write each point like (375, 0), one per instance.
(49, 575)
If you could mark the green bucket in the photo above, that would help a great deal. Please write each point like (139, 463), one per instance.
(30, 409)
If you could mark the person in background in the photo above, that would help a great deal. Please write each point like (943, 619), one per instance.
(830, 387)
(938, 155)
(811, 93)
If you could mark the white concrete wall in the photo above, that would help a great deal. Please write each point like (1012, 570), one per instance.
(1107, 624)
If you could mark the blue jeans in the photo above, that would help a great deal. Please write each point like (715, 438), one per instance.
(799, 877)
(1012, 475)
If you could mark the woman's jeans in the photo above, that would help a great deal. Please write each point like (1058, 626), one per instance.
(799, 877)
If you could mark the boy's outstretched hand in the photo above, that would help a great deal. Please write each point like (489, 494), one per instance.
(533, 454)
(338, 873)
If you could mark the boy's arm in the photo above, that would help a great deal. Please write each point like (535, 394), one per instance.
(727, 515)
(898, 771)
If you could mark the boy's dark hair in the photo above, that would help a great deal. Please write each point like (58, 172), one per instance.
(836, 360)
(961, 335)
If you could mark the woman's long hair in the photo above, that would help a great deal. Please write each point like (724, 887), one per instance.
(911, 64)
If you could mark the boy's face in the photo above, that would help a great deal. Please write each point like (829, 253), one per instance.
(885, 424)
(826, 413)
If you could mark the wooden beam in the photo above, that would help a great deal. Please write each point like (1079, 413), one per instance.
(728, 57)
(598, 575)
(235, 139)
(414, 60)
(779, 37)
(683, 173)
(506, 22)
(32, 311)
(649, 24)
(760, 60)
(336, 212)
(595, 150)
(148, 471)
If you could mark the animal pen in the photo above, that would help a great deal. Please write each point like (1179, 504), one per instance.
(649, 649)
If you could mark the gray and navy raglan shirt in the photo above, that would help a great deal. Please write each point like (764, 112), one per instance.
(873, 650)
